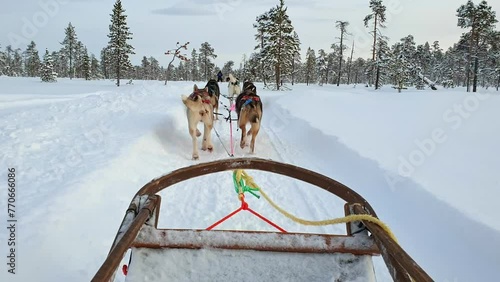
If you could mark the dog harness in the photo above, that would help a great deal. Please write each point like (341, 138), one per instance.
(204, 98)
(249, 99)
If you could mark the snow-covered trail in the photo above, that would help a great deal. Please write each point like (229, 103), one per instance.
(82, 160)
(86, 157)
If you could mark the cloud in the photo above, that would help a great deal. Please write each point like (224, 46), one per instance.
(181, 11)
(184, 8)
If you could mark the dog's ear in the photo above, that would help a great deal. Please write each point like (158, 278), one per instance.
(195, 87)
(205, 89)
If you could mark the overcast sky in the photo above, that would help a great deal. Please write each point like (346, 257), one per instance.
(226, 24)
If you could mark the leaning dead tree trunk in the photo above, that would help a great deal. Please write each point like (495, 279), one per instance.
(429, 82)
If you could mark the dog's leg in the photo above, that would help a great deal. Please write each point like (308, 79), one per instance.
(192, 132)
(207, 134)
(216, 109)
(255, 127)
(243, 129)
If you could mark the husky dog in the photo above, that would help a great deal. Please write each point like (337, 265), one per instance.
(249, 110)
(233, 88)
(214, 91)
(248, 84)
(200, 109)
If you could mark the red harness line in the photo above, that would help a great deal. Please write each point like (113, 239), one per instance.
(244, 206)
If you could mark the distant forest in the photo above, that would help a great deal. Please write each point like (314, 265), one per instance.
(472, 62)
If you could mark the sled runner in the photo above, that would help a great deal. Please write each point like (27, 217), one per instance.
(229, 255)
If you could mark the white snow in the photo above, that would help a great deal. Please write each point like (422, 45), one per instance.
(83, 148)
(239, 265)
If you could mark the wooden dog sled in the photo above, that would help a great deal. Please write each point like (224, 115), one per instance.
(203, 255)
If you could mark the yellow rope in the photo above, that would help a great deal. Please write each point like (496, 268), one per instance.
(350, 218)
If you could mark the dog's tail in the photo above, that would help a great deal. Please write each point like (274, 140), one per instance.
(188, 102)
(254, 119)
(184, 99)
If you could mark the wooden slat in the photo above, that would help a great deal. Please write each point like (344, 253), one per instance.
(253, 240)
(109, 267)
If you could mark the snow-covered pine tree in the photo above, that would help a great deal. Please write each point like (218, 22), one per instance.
(32, 63)
(17, 63)
(228, 68)
(262, 37)
(481, 20)
(8, 57)
(119, 49)
(3, 62)
(95, 68)
(331, 68)
(47, 73)
(171, 72)
(333, 61)
(494, 58)
(422, 60)
(69, 46)
(60, 63)
(13, 62)
(80, 52)
(195, 73)
(358, 71)
(252, 67)
(105, 62)
(382, 61)
(414, 63)
(379, 18)
(207, 53)
(296, 58)
(342, 26)
(86, 67)
(144, 69)
(310, 66)
(322, 66)
(436, 62)
(154, 68)
(280, 44)
(188, 67)
(490, 55)
(181, 71)
(399, 67)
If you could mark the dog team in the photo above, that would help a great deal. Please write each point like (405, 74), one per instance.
(202, 105)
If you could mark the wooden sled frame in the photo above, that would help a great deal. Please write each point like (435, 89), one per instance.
(143, 212)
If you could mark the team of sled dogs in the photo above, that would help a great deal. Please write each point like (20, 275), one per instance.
(203, 106)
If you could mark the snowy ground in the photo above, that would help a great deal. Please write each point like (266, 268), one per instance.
(426, 160)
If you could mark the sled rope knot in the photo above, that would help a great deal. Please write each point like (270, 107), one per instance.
(244, 183)
(240, 176)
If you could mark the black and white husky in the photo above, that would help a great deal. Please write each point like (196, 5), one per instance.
(233, 88)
